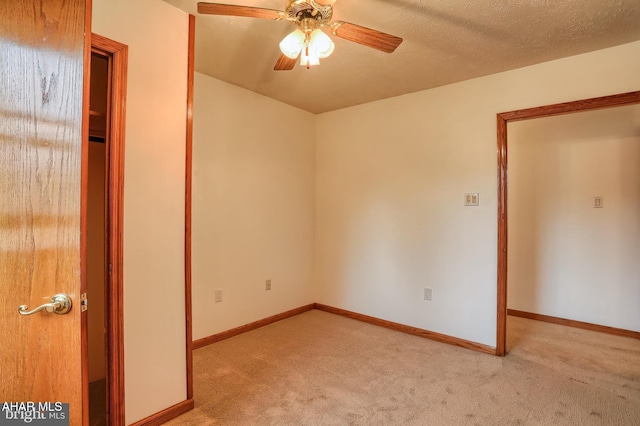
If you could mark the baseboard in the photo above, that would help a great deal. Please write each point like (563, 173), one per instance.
(576, 324)
(166, 415)
(443, 338)
(197, 344)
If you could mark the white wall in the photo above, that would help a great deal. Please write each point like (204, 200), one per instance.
(154, 314)
(390, 182)
(566, 258)
(253, 206)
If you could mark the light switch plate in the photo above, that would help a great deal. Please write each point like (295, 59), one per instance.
(471, 199)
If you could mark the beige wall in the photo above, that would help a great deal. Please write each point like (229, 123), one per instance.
(566, 258)
(253, 206)
(390, 182)
(154, 315)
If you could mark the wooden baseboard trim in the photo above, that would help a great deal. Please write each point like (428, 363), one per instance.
(443, 338)
(197, 344)
(576, 324)
(167, 414)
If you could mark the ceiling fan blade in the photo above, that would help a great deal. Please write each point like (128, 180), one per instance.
(285, 63)
(366, 36)
(233, 10)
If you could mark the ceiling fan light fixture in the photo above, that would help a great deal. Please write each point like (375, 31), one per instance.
(308, 58)
(308, 41)
(321, 44)
(292, 44)
(325, 2)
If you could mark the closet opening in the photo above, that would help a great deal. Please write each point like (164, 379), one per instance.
(103, 172)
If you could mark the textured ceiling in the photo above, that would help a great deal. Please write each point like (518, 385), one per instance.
(445, 41)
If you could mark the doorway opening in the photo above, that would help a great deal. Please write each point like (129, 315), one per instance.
(97, 242)
(103, 165)
(502, 120)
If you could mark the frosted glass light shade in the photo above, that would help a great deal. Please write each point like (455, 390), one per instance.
(309, 60)
(321, 44)
(292, 44)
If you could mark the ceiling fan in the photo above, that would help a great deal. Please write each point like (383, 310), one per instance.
(308, 41)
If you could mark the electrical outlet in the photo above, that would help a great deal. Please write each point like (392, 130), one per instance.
(427, 294)
(598, 202)
(267, 285)
(218, 295)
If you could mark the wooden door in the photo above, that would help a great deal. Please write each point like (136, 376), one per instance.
(42, 57)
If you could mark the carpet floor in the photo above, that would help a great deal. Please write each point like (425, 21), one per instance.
(322, 369)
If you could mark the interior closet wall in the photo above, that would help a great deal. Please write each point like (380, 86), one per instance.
(96, 267)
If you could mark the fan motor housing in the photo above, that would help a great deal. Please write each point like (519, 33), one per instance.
(299, 10)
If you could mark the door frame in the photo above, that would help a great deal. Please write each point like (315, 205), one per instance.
(503, 119)
(117, 54)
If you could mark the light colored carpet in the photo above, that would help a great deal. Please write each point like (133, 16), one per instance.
(322, 369)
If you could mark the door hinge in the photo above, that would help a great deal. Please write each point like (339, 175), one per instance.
(83, 302)
(110, 268)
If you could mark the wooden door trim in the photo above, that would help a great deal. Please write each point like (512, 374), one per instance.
(116, 114)
(187, 210)
(526, 114)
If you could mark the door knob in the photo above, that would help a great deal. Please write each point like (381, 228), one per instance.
(60, 304)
